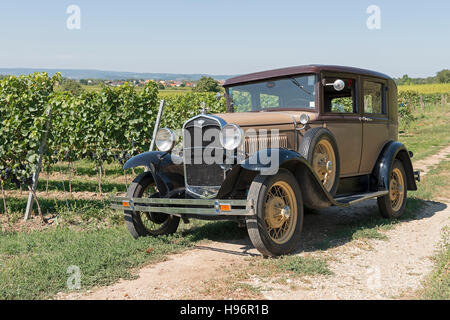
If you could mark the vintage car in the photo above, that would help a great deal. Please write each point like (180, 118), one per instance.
(302, 137)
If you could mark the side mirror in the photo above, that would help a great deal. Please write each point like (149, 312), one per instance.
(339, 85)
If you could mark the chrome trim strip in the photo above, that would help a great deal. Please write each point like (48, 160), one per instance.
(211, 207)
(174, 201)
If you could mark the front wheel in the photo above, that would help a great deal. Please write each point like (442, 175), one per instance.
(393, 204)
(276, 227)
(140, 223)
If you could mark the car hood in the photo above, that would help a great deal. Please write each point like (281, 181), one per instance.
(261, 119)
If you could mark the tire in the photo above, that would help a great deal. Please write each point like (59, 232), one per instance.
(324, 139)
(269, 215)
(392, 205)
(156, 224)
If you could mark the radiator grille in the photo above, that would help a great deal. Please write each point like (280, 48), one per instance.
(205, 179)
(199, 134)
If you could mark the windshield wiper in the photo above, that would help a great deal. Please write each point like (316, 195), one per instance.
(294, 81)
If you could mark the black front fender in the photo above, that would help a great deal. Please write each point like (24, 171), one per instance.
(166, 169)
(267, 162)
(154, 157)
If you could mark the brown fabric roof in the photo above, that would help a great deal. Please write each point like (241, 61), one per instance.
(291, 71)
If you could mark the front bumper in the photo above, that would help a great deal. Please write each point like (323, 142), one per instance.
(180, 207)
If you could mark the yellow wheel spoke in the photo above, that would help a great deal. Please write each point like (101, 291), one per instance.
(280, 212)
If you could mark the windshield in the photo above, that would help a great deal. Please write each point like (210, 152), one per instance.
(295, 92)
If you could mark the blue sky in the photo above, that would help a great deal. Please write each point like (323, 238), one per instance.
(226, 37)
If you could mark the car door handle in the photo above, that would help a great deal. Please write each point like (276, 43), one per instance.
(365, 119)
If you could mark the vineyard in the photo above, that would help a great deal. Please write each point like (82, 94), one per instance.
(106, 127)
(426, 88)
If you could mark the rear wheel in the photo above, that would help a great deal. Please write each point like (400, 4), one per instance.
(275, 228)
(141, 223)
(393, 204)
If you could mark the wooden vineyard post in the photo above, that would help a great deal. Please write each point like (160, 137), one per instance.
(42, 147)
(157, 124)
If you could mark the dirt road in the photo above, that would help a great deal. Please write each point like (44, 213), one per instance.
(362, 269)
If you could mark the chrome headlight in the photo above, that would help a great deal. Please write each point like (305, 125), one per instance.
(231, 136)
(165, 139)
(304, 118)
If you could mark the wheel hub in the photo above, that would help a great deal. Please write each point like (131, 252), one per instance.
(329, 166)
(323, 163)
(277, 212)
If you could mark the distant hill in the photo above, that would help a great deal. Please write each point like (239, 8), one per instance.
(109, 75)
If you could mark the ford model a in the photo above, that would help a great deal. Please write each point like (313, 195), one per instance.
(309, 136)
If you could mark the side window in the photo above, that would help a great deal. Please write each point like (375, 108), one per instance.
(343, 101)
(373, 98)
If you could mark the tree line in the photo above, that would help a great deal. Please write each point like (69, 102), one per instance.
(442, 76)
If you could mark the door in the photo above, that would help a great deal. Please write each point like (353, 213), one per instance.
(340, 113)
(375, 122)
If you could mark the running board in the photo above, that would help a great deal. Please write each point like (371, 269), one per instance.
(355, 198)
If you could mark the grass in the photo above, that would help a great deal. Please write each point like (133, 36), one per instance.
(436, 184)
(83, 212)
(429, 133)
(34, 264)
(437, 285)
(299, 266)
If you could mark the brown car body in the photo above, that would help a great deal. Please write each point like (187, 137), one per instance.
(337, 148)
(359, 142)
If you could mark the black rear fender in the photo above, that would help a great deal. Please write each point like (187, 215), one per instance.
(393, 150)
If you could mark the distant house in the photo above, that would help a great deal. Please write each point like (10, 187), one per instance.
(115, 83)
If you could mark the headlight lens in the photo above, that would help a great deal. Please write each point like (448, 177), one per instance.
(165, 139)
(304, 118)
(231, 136)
